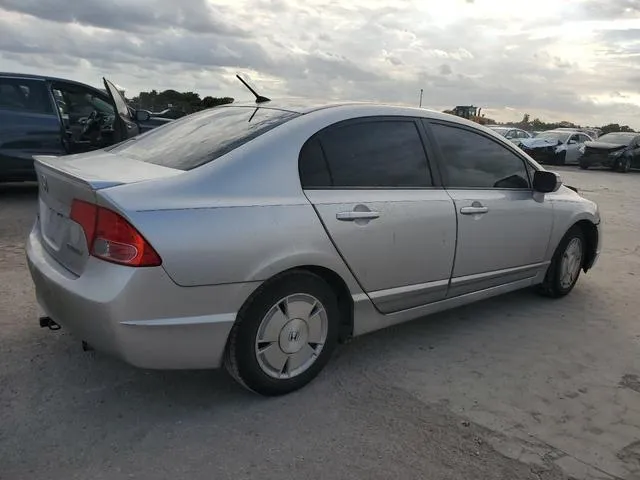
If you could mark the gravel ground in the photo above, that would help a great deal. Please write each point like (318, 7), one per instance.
(516, 387)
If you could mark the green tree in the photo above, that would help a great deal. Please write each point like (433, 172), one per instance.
(614, 127)
(185, 102)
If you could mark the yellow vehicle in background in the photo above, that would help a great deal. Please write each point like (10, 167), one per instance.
(469, 112)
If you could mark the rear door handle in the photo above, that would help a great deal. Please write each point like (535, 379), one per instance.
(352, 216)
(473, 210)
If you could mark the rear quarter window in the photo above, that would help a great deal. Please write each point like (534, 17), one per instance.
(202, 137)
(24, 95)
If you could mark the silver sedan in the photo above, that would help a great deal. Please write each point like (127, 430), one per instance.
(259, 236)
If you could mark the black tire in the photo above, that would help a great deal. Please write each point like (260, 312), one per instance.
(552, 287)
(560, 159)
(584, 165)
(624, 166)
(241, 359)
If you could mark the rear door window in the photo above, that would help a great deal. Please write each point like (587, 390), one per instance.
(385, 153)
(24, 95)
(199, 138)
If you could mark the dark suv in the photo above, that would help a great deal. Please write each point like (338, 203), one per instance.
(51, 116)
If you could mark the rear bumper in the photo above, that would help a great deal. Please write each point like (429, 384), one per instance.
(137, 314)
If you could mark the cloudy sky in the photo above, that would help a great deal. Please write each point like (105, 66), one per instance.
(576, 60)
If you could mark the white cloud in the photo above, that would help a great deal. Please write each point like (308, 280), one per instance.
(574, 60)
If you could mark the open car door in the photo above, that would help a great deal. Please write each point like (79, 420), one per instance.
(124, 126)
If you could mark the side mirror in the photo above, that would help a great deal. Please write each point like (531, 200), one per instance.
(142, 115)
(546, 182)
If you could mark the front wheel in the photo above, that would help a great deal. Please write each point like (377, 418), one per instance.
(565, 266)
(284, 335)
(625, 165)
(560, 159)
(584, 165)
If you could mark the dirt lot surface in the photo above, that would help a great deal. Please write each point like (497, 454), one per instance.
(517, 387)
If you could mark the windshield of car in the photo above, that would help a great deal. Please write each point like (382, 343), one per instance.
(201, 137)
(555, 136)
(617, 138)
(501, 130)
(101, 105)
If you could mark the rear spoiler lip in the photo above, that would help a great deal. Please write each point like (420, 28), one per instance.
(48, 161)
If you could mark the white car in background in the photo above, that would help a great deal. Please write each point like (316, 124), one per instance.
(556, 147)
(515, 135)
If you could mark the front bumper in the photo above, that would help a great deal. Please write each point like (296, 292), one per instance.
(542, 155)
(137, 314)
(599, 159)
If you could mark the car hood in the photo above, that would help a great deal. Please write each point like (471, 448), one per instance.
(605, 145)
(538, 142)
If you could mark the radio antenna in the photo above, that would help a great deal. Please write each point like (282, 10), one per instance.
(259, 98)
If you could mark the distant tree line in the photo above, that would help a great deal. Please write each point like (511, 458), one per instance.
(538, 125)
(180, 102)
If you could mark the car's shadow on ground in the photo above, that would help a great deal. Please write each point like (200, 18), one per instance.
(18, 190)
(96, 381)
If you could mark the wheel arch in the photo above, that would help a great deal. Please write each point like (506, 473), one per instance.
(335, 281)
(590, 231)
(343, 294)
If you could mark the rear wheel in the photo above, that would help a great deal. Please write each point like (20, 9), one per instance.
(284, 335)
(565, 266)
(584, 165)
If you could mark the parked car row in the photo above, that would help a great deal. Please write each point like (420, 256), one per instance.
(618, 151)
(51, 116)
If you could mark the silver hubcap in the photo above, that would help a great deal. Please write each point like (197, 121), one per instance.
(571, 263)
(291, 336)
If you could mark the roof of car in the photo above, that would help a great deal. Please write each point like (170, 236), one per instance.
(357, 109)
(562, 130)
(30, 76)
(296, 105)
(304, 106)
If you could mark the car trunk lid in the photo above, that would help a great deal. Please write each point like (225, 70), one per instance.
(63, 179)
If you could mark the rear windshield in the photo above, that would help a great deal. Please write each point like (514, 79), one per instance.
(555, 136)
(202, 137)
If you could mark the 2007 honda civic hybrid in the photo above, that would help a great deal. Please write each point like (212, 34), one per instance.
(258, 236)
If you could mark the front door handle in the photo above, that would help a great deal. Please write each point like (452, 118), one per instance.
(473, 210)
(354, 215)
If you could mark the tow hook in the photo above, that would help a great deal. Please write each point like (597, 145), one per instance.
(47, 322)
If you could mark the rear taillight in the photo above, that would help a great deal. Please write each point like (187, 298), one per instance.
(112, 238)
